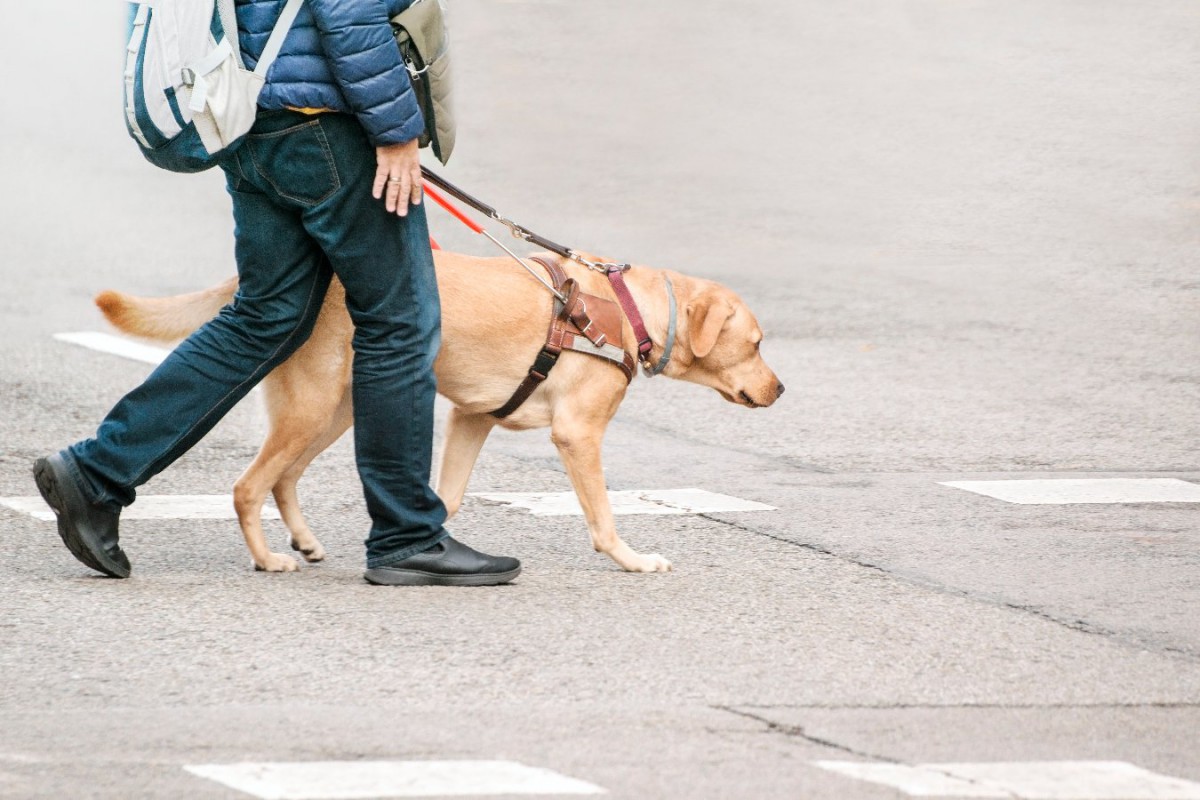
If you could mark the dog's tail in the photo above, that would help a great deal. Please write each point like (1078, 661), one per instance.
(165, 318)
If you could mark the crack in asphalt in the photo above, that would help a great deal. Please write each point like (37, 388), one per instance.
(1077, 625)
(798, 732)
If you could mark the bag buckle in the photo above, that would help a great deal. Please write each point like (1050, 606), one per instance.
(411, 66)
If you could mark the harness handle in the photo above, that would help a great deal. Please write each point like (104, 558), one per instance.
(464, 219)
(489, 211)
(613, 271)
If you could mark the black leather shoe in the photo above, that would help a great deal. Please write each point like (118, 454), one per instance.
(88, 531)
(447, 563)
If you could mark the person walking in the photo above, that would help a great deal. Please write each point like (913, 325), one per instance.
(327, 182)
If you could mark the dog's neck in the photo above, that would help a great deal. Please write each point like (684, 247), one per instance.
(649, 289)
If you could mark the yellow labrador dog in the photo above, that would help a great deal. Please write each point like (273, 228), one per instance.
(494, 321)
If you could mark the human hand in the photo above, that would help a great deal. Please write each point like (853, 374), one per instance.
(397, 176)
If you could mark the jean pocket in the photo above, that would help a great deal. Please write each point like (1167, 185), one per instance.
(296, 162)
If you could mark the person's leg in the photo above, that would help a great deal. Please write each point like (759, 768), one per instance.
(283, 278)
(282, 281)
(385, 263)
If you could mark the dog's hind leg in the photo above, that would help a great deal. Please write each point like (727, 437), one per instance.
(465, 435)
(579, 439)
(281, 448)
(298, 418)
(300, 536)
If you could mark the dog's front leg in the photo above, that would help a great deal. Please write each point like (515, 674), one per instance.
(465, 435)
(579, 446)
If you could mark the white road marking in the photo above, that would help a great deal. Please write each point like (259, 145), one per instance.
(115, 345)
(915, 780)
(163, 506)
(656, 501)
(1064, 491)
(20, 758)
(1030, 780)
(355, 780)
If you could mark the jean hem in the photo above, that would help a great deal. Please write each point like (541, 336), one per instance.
(411, 550)
(104, 500)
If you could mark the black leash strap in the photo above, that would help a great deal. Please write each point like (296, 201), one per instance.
(484, 208)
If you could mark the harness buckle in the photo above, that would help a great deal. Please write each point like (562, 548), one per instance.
(544, 362)
(598, 341)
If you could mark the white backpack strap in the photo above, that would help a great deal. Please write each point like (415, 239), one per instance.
(275, 43)
(201, 71)
(228, 15)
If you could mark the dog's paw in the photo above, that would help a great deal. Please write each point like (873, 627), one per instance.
(651, 562)
(277, 562)
(312, 550)
(631, 560)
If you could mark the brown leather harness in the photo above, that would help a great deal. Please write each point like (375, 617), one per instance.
(583, 323)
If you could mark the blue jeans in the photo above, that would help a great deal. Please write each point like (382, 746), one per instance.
(302, 205)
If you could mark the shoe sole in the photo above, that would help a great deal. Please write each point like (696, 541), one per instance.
(393, 577)
(88, 553)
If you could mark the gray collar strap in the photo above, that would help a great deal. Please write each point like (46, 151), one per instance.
(670, 345)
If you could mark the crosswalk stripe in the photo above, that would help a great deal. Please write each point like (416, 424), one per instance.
(1064, 491)
(164, 506)
(358, 780)
(637, 501)
(1030, 780)
(115, 345)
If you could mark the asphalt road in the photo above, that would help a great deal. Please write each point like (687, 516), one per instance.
(969, 229)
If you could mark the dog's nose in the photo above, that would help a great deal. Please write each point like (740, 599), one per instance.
(779, 391)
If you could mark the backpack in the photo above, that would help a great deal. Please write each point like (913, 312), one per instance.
(420, 32)
(188, 97)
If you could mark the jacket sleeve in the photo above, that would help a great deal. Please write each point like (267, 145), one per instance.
(358, 43)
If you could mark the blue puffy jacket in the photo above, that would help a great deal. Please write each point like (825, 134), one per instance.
(340, 55)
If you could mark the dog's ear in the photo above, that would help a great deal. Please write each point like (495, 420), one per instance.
(707, 315)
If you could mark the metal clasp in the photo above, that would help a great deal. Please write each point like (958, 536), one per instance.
(516, 230)
(598, 266)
